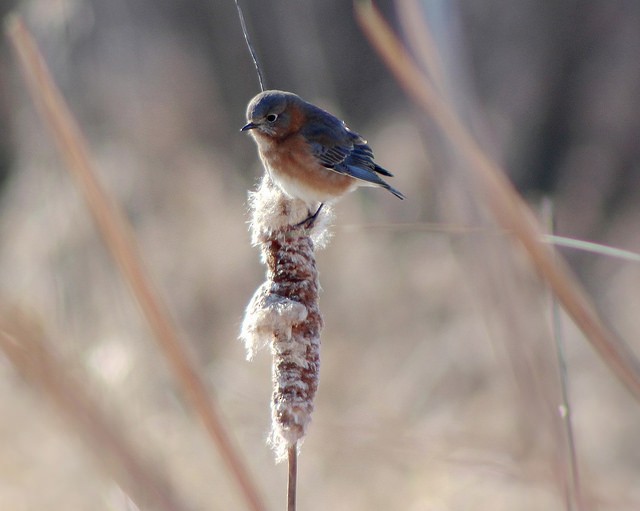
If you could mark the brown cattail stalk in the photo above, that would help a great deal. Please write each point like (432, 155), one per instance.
(283, 312)
(119, 238)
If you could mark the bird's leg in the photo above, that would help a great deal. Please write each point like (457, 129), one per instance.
(308, 222)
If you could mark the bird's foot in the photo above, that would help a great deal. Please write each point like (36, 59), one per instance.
(310, 221)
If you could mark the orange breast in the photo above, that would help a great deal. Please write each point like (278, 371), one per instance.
(297, 171)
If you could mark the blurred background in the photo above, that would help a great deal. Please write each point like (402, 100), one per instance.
(439, 382)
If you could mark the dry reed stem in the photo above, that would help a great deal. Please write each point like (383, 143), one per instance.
(508, 208)
(573, 492)
(119, 239)
(284, 312)
(27, 347)
(422, 42)
(542, 399)
(292, 479)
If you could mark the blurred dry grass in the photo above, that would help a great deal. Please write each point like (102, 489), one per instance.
(418, 407)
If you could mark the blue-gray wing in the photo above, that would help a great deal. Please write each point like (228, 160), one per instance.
(338, 148)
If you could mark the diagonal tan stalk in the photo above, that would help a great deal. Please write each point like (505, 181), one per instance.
(26, 345)
(508, 208)
(120, 241)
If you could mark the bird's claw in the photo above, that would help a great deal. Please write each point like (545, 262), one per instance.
(310, 221)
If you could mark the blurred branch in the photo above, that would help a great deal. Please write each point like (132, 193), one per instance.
(507, 207)
(119, 238)
(464, 229)
(594, 248)
(423, 43)
(26, 346)
(568, 455)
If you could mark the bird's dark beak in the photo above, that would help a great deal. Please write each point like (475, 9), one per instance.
(249, 126)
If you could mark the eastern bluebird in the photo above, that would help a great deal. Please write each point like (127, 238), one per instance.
(309, 153)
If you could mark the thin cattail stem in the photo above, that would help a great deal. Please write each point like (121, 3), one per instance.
(292, 482)
(118, 236)
(252, 51)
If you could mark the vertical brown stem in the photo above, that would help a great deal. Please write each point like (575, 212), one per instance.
(292, 485)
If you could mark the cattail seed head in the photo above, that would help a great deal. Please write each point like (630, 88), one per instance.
(283, 312)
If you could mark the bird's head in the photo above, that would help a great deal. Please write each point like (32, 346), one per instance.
(272, 113)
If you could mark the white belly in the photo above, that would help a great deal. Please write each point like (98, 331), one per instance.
(297, 189)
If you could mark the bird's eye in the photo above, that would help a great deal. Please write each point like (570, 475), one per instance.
(272, 117)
